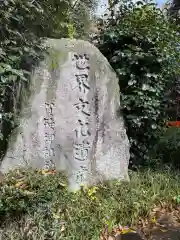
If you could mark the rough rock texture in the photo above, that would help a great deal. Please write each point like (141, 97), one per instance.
(71, 121)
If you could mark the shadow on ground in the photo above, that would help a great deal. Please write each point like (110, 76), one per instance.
(171, 234)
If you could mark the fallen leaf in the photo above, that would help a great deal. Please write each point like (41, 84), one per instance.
(153, 220)
(126, 230)
(18, 184)
(63, 228)
(163, 230)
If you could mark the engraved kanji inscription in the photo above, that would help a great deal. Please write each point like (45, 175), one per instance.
(82, 147)
(80, 177)
(48, 152)
(83, 106)
(82, 80)
(49, 138)
(82, 61)
(49, 164)
(49, 107)
(83, 168)
(81, 151)
(49, 122)
(49, 125)
(81, 174)
(82, 129)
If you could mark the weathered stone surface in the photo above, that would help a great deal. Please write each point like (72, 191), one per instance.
(71, 120)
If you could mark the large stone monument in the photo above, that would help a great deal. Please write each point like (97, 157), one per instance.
(72, 120)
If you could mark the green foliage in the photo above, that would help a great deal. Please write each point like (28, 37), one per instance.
(67, 18)
(40, 204)
(168, 147)
(141, 45)
(20, 48)
(28, 190)
(56, 17)
(173, 10)
(81, 14)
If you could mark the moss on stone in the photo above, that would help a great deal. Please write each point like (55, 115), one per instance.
(55, 59)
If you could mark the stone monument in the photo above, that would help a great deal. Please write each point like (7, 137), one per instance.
(72, 121)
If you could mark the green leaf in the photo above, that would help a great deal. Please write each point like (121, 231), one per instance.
(2, 70)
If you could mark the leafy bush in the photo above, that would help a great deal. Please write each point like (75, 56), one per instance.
(24, 24)
(19, 43)
(168, 147)
(82, 13)
(141, 45)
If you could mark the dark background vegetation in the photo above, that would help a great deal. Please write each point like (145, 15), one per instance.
(141, 44)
